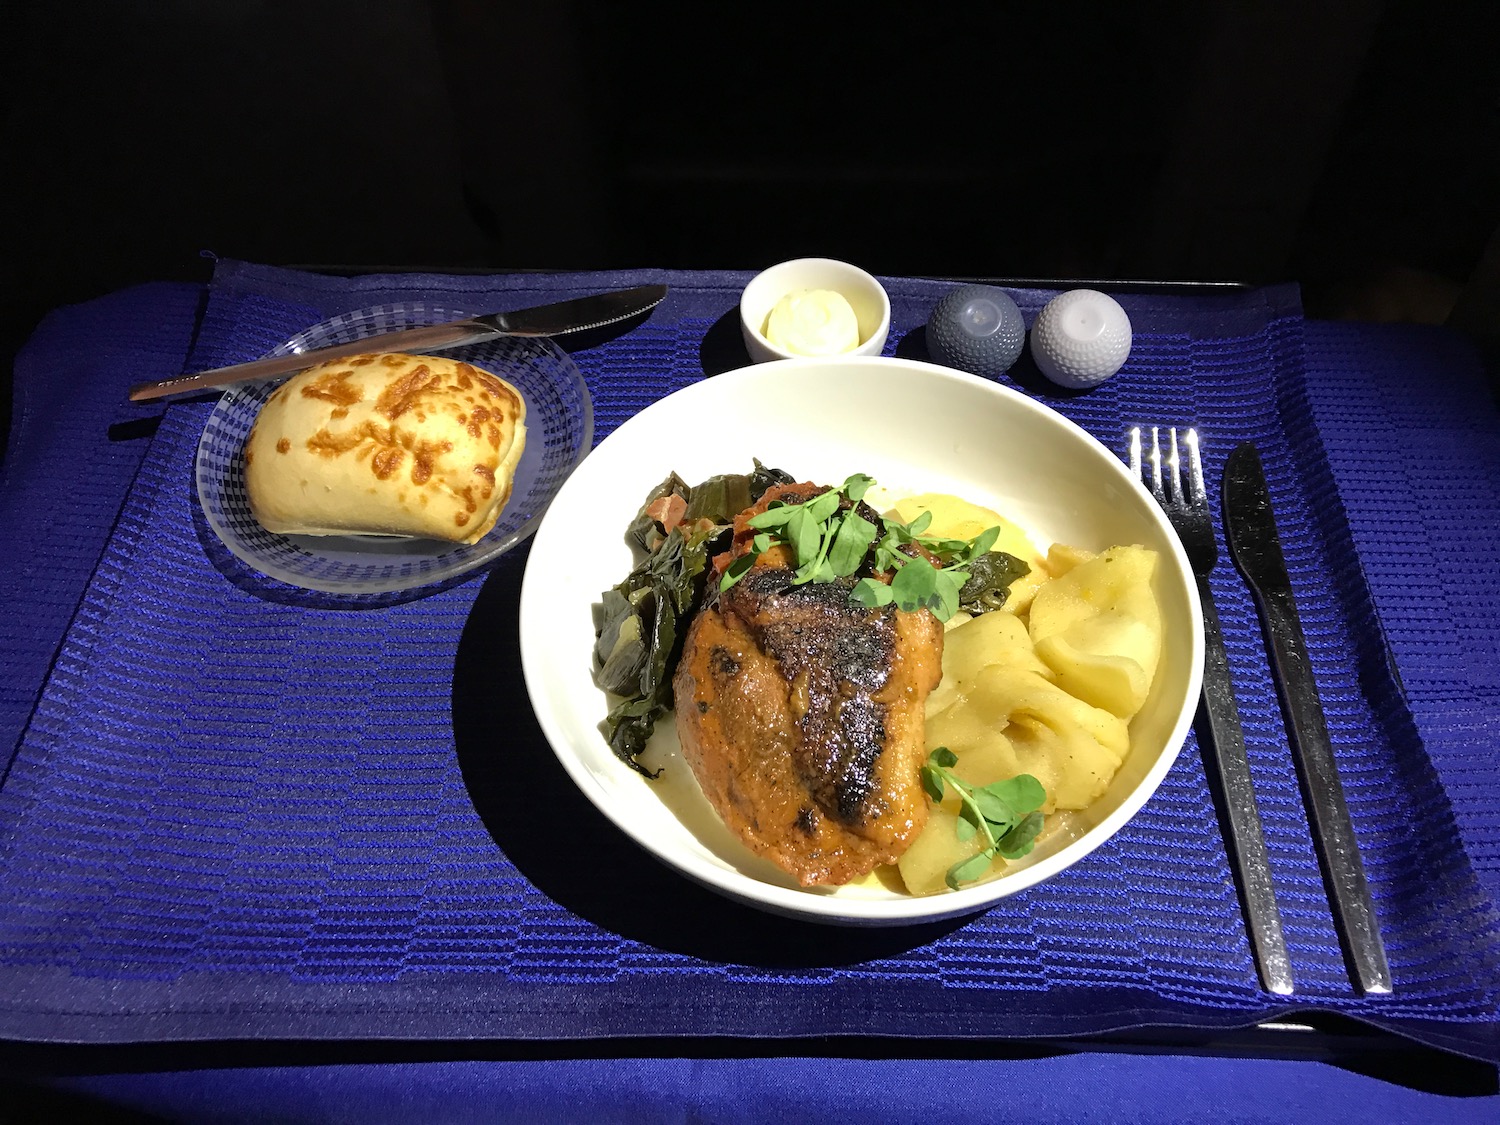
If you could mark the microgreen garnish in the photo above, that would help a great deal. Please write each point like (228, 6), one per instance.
(1007, 814)
(829, 541)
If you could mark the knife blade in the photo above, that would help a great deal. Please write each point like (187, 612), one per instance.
(557, 319)
(1250, 527)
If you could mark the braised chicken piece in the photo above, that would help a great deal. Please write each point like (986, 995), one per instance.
(801, 714)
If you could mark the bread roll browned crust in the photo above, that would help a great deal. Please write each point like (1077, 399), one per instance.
(389, 444)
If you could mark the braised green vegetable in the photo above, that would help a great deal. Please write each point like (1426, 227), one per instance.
(991, 575)
(640, 624)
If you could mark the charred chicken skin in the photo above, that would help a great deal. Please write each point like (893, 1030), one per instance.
(801, 714)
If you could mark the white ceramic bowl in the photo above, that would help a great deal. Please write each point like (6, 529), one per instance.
(915, 427)
(866, 296)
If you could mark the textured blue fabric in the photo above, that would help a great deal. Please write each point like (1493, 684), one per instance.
(241, 811)
(1065, 1090)
(1414, 443)
(75, 445)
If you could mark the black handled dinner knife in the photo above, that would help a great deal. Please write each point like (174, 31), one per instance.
(1250, 527)
(557, 319)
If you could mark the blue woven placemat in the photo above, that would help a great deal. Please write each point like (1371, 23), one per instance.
(242, 811)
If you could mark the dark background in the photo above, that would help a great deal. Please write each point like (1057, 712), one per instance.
(1351, 146)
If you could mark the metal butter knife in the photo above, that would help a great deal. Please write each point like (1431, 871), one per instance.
(1256, 548)
(556, 319)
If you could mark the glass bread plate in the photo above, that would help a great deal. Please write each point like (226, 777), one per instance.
(559, 425)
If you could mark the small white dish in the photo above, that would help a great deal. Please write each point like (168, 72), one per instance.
(821, 420)
(866, 296)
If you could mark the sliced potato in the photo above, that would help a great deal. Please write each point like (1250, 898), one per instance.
(1017, 721)
(989, 639)
(1099, 660)
(1102, 612)
(1062, 558)
(1048, 693)
(1119, 579)
(924, 866)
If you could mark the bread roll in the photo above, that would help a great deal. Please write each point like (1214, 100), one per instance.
(391, 444)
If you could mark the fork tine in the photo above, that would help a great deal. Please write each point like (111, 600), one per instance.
(1195, 468)
(1135, 451)
(1174, 463)
(1156, 488)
